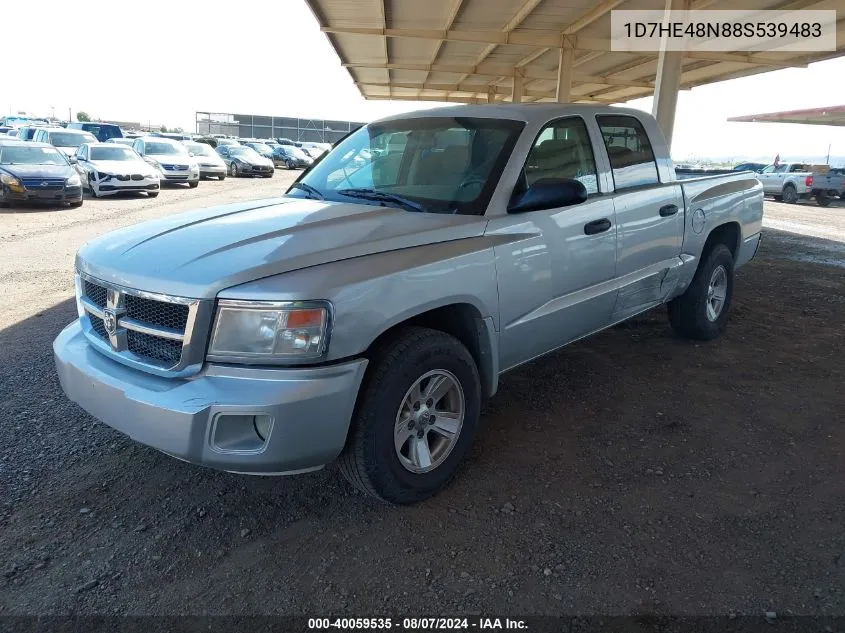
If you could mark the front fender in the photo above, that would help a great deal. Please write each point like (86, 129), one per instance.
(373, 293)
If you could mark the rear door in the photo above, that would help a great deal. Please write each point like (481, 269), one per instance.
(649, 217)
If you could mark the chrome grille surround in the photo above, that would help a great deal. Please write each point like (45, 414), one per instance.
(157, 333)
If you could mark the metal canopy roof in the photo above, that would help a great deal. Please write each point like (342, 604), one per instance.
(467, 51)
(834, 115)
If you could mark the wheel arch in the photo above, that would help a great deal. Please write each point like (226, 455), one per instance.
(466, 323)
(729, 234)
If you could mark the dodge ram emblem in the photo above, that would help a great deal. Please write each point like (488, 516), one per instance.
(110, 322)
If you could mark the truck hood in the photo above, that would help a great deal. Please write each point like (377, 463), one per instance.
(199, 253)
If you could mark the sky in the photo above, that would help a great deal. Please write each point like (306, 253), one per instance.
(269, 57)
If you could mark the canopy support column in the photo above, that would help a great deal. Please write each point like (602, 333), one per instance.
(668, 80)
(518, 81)
(564, 73)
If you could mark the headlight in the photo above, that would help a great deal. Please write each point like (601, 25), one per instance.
(195, 167)
(73, 181)
(269, 332)
(152, 161)
(12, 183)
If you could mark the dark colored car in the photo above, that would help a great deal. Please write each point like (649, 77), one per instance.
(265, 150)
(291, 157)
(755, 167)
(37, 172)
(245, 161)
(103, 131)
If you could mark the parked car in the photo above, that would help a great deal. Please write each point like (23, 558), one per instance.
(245, 161)
(13, 133)
(792, 182)
(227, 141)
(128, 142)
(366, 316)
(108, 168)
(170, 158)
(102, 131)
(263, 150)
(291, 157)
(211, 165)
(37, 172)
(755, 167)
(315, 150)
(26, 132)
(285, 141)
(68, 141)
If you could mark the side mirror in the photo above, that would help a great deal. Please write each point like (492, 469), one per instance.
(191, 154)
(72, 160)
(548, 193)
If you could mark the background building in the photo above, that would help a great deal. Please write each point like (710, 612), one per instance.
(258, 126)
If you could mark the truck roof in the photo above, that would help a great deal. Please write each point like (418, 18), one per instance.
(527, 112)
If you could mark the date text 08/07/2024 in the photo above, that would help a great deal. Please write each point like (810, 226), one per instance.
(415, 624)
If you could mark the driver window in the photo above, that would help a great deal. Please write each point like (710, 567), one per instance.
(563, 150)
(768, 170)
(782, 169)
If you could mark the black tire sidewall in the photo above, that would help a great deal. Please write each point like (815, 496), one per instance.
(793, 194)
(718, 256)
(391, 480)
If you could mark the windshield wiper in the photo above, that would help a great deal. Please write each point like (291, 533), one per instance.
(315, 193)
(383, 196)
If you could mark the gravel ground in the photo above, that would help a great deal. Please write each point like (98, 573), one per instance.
(632, 473)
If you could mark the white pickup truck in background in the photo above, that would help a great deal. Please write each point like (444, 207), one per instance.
(792, 182)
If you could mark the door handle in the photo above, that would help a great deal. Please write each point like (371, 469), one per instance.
(596, 226)
(667, 210)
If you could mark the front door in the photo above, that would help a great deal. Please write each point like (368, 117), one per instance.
(556, 267)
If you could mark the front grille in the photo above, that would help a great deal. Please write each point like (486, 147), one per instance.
(175, 167)
(39, 183)
(96, 293)
(160, 349)
(151, 330)
(169, 315)
(137, 177)
(122, 177)
(98, 327)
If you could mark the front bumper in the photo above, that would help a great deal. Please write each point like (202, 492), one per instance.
(113, 185)
(212, 170)
(309, 409)
(67, 194)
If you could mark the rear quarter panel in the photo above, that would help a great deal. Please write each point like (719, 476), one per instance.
(713, 201)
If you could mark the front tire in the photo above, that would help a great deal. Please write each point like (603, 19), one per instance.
(75, 205)
(701, 313)
(415, 419)
(221, 177)
(194, 185)
(152, 194)
(233, 171)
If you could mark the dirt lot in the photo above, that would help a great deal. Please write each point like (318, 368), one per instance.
(630, 473)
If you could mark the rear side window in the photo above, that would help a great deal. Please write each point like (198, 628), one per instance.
(629, 150)
(563, 150)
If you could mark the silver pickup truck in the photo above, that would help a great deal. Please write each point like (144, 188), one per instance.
(792, 182)
(365, 315)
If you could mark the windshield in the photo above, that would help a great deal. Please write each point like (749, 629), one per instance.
(247, 153)
(444, 164)
(17, 155)
(200, 149)
(71, 139)
(113, 153)
(261, 148)
(168, 149)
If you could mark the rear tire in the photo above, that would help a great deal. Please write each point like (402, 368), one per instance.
(822, 199)
(790, 194)
(406, 462)
(695, 315)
